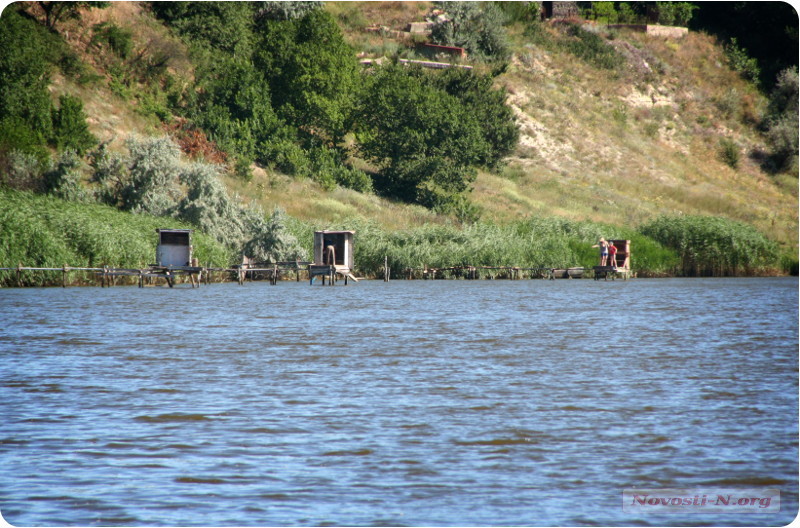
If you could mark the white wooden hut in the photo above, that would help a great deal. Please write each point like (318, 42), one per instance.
(333, 255)
(174, 247)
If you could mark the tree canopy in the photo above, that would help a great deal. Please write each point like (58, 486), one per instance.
(428, 140)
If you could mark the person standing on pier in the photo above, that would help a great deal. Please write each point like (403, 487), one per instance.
(612, 254)
(603, 245)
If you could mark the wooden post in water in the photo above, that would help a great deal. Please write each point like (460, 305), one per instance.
(385, 268)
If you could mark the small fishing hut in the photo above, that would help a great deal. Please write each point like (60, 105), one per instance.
(174, 247)
(623, 261)
(333, 255)
(623, 254)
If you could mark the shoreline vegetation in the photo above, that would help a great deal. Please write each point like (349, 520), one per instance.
(45, 231)
(257, 123)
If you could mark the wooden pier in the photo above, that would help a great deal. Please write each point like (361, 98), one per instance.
(475, 272)
(106, 276)
(496, 272)
(611, 272)
(274, 272)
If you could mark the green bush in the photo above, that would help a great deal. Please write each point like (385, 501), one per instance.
(781, 123)
(729, 152)
(208, 206)
(591, 47)
(151, 186)
(17, 136)
(476, 27)
(70, 130)
(119, 40)
(23, 171)
(271, 240)
(790, 263)
(741, 62)
(63, 179)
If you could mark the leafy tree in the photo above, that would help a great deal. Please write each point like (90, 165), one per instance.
(477, 93)
(221, 26)
(626, 13)
(24, 77)
(605, 12)
(782, 122)
(741, 62)
(428, 131)
(233, 104)
(425, 140)
(684, 11)
(312, 73)
(70, 130)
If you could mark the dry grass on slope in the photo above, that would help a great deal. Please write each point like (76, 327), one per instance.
(623, 147)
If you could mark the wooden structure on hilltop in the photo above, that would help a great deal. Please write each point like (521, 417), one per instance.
(559, 10)
(333, 255)
(434, 51)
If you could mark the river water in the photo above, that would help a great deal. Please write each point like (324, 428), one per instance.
(418, 403)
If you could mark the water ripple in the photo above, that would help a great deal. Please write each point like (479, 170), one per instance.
(445, 403)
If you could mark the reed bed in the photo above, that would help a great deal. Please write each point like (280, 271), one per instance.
(43, 231)
(714, 246)
(532, 243)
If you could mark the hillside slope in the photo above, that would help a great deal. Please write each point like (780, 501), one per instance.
(615, 146)
(624, 148)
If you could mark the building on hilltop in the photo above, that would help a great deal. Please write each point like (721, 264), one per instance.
(559, 10)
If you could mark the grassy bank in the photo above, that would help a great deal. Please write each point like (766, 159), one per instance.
(42, 231)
